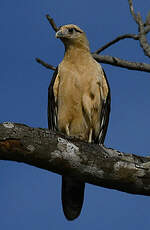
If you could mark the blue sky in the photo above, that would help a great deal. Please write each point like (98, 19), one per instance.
(30, 197)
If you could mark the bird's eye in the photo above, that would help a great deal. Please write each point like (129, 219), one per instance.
(70, 30)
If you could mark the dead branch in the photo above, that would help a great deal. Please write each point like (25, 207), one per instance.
(147, 22)
(122, 63)
(94, 164)
(141, 27)
(142, 37)
(121, 37)
(114, 61)
(48, 66)
(132, 11)
(109, 59)
(52, 23)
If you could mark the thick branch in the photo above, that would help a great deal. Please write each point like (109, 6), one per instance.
(91, 163)
(111, 61)
(122, 63)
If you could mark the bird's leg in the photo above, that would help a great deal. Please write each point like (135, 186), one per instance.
(90, 135)
(67, 130)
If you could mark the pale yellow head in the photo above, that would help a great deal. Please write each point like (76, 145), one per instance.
(72, 35)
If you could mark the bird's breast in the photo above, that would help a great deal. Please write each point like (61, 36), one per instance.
(78, 95)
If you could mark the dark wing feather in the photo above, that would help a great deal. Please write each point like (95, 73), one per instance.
(52, 106)
(72, 189)
(104, 116)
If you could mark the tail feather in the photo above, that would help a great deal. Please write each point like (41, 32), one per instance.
(72, 197)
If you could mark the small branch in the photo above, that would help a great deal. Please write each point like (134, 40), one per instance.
(91, 163)
(122, 63)
(48, 66)
(142, 37)
(147, 22)
(141, 26)
(121, 37)
(144, 29)
(147, 29)
(108, 59)
(52, 23)
(132, 11)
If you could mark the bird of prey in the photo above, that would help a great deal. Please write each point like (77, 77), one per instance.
(78, 105)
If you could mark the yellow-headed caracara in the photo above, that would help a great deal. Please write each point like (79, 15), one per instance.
(78, 105)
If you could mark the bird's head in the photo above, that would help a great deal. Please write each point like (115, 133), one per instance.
(72, 35)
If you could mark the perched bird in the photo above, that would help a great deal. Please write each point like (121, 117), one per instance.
(78, 105)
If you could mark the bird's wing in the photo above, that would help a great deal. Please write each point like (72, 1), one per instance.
(105, 111)
(72, 189)
(52, 102)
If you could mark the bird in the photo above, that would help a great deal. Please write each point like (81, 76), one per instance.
(78, 105)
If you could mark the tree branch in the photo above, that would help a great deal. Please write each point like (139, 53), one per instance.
(132, 11)
(111, 61)
(108, 59)
(52, 23)
(90, 163)
(142, 35)
(122, 63)
(48, 66)
(121, 37)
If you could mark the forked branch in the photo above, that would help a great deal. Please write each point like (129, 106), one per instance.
(114, 60)
(142, 27)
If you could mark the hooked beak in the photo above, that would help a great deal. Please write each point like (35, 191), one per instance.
(61, 33)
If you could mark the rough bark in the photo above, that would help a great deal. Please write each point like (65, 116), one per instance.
(91, 163)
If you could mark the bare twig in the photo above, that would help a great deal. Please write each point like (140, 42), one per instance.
(141, 26)
(132, 11)
(147, 29)
(121, 37)
(52, 23)
(147, 22)
(122, 63)
(142, 37)
(48, 66)
(109, 59)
